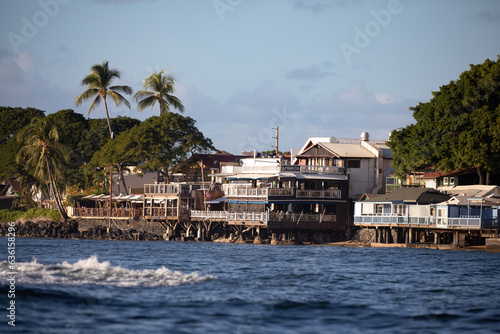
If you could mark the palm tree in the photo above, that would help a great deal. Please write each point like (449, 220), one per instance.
(160, 88)
(45, 156)
(98, 82)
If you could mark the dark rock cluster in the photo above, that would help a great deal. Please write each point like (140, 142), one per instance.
(69, 229)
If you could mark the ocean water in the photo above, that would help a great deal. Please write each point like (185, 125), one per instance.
(95, 286)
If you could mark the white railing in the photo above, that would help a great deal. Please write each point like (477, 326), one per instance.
(247, 192)
(471, 222)
(221, 215)
(248, 216)
(331, 193)
(173, 188)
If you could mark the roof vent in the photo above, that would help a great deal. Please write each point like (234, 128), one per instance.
(365, 136)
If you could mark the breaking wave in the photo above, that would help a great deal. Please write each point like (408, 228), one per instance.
(91, 271)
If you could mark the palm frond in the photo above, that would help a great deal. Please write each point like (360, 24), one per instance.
(122, 89)
(118, 98)
(95, 103)
(88, 94)
(146, 102)
(143, 94)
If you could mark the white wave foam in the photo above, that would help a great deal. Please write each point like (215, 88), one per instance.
(91, 271)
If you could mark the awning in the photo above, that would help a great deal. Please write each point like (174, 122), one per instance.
(252, 176)
(246, 202)
(117, 198)
(217, 201)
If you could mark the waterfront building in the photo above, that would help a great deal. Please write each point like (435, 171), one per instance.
(425, 215)
(367, 162)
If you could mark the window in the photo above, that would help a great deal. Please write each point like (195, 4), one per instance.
(353, 164)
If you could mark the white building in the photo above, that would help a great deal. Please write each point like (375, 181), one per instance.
(368, 162)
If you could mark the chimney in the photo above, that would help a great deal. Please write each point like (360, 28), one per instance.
(365, 136)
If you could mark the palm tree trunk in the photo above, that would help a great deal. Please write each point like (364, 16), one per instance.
(122, 178)
(107, 116)
(57, 199)
(161, 106)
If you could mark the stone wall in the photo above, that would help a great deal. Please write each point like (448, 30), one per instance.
(364, 235)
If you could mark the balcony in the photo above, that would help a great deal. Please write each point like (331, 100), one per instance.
(305, 217)
(101, 213)
(173, 189)
(247, 192)
(253, 217)
(210, 215)
(322, 194)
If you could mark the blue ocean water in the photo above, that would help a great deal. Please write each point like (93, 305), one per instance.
(95, 286)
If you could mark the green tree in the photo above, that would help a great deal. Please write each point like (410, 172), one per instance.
(98, 84)
(159, 144)
(44, 156)
(158, 88)
(13, 120)
(458, 129)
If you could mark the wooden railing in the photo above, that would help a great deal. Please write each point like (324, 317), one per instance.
(104, 212)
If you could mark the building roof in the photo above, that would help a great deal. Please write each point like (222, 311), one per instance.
(412, 195)
(476, 190)
(348, 150)
(471, 201)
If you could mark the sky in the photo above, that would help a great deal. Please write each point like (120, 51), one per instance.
(243, 67)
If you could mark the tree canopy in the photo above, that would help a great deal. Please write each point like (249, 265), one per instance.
(160, 143)
(458, 129)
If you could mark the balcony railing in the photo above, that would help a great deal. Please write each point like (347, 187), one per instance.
(465, 222)
(281, 191)
(104, 213)
(470, 222)
(330, 194)
(247, 192)
(248, 216)
(161, 212)
(173, 189)
(244, 191)
(297, 217)
(219, 215)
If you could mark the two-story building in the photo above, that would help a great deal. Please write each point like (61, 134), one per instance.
(367, 162)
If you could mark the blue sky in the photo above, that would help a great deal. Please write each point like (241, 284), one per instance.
(310, 67)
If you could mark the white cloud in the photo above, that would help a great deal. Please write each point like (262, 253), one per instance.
(384, 98)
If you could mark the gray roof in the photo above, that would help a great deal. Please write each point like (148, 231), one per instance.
(412, 195)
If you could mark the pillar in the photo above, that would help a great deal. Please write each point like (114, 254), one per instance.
(410, 235)
(386, 237)
(436, 238)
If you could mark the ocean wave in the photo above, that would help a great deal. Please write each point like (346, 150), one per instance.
(91, 271)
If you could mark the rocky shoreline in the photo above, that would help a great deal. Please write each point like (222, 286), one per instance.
(73, 229)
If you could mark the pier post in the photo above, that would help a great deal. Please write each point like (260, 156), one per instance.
(410, 235)
(436, 238)
(386, 235)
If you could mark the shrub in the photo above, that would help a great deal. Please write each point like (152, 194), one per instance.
(9, 215)
(51, 214)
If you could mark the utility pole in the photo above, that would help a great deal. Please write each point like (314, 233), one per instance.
(277, 139)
